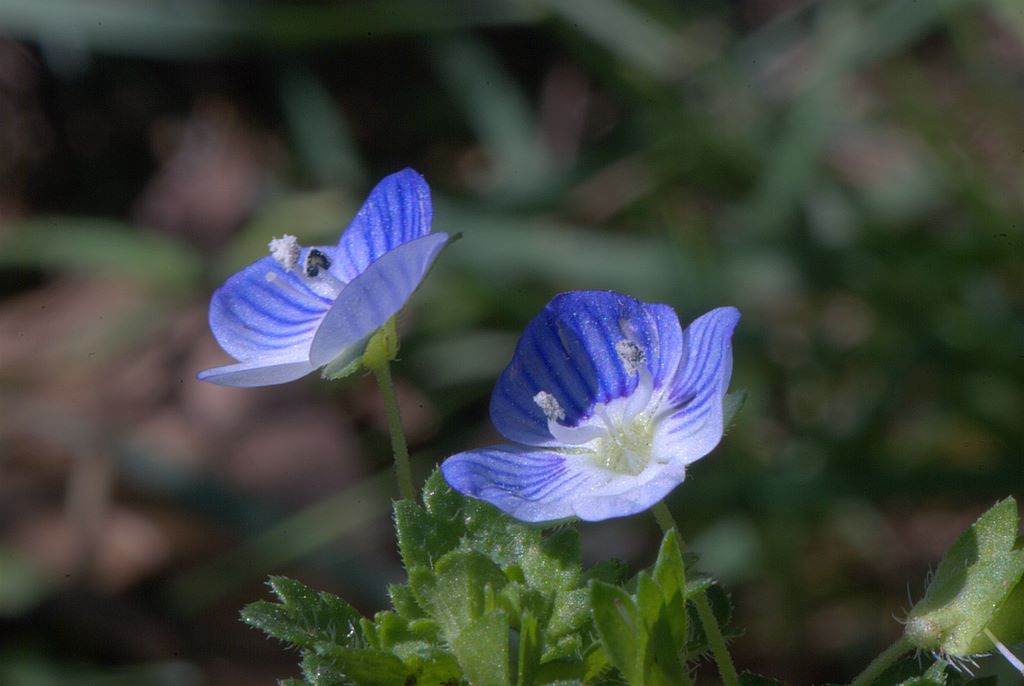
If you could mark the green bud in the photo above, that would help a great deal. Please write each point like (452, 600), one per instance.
(976, 592)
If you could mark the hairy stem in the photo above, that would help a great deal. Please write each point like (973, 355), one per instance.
(726, 668)
(883, 662)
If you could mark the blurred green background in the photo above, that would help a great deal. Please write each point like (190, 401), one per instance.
(849, 174)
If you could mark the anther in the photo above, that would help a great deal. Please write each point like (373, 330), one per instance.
(285, 250)
(631, 354)
(549, 405)
(315, 261)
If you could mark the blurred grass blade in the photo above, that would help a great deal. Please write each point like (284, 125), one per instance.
(186, 27)
(896, 25)
(624, 30)
(791, 171)
(23, 583)
(506, 249)
(497, 111)
(198, 28)
(293, 538)
(318, 129)
(98, 245)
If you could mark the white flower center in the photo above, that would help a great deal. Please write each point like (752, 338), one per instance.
(618, 436)
(626, 447)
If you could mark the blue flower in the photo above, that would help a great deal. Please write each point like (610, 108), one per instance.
(302, 308)
(607, 400)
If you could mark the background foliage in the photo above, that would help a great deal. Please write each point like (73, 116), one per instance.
(846, 173)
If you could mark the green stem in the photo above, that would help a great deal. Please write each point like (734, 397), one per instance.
(723, 659)
(883, 662)
(380, 350)
(399, 447)
(663, 516)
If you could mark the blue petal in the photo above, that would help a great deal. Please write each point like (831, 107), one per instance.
(695, 423)
(397, 211)
(530, 485)
(535, 485)
(253, 317)
(569, 351)
(259, 372)
(369, 300)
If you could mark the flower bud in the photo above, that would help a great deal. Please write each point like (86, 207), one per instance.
(976, 595)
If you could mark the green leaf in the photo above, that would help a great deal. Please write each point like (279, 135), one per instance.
(333, 665)
(482, 650)
(404, 601)
(975, 578)
(670, 575)
(304, 617)
(459, 590)
(567, 671)
(731, 406)
(549, 564)
(618, 624)
(391, 629)
(933, 676)
(609, 571)
(423, 537)
(1007, 623)
(529, 650)
(597, 663)
(341, 368)
(570, 613)
(699, 585)
(440, 500)
(428, 663)
(662, 661)
(426, 533)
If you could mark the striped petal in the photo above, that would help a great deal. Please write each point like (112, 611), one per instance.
(535, 485)
(694, 424)
(371, 298)
(265, 311)
(569, 351)
(258, 372)
(397, 211)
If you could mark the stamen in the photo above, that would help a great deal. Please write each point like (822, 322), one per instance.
(315, 261)
(549, 405)
(609, 424)
(631, 354)
(285, 250)
(316, 275)
(301, 295)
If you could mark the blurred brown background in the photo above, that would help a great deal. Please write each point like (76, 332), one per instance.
(847, 173)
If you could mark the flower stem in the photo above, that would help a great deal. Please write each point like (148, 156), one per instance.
(398, 445)
(381, 349)
(883, 662)
(723, 659)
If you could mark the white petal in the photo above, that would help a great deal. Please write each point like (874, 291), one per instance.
(537, 485)
(259, 372)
